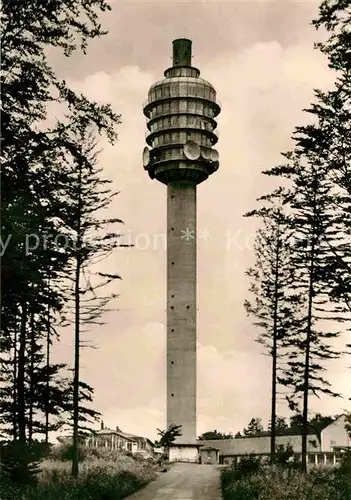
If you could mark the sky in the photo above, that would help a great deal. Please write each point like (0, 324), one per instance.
(260, 58)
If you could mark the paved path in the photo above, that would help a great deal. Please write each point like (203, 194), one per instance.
(184, 482)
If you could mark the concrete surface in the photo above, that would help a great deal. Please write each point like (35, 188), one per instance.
(184, 482)
(181, 309)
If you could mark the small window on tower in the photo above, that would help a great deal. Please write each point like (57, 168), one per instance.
(174, 106)
(199, 90)
(174, 121)
(182, 106)
(182, 137)
(192, 89)
(174, 90)
(191, 106)
(191, 121)
(183, 89)
(199, 107)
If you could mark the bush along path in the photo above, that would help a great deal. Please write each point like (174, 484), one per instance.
(103, 475)
(252, 480)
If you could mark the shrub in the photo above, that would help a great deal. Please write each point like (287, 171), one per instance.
(284, 455)
(342, 476)
(64, 452)
(248, 465)
(20, 461)
(231, 477)
(98, 479)
(277, 483)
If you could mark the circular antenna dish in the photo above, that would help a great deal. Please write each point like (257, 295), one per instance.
(214, 155)
(206, 153)
(192, 150)
(146, 157)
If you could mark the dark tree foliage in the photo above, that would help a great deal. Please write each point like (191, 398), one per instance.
(316, 178)
(90, 238)
(35, 151)
(348, 423)
(254, 428)
(329, 137)
(281, 426)
(272, 303)
(335, 17)
(168, 436)
(314, 223)
(215, 435)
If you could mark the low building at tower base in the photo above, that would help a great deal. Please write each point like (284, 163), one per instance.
(184, 452)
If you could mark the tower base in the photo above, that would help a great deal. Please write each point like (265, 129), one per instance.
(184, 453)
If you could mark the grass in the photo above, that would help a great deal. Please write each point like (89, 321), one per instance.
(250, 481)
(103, 475)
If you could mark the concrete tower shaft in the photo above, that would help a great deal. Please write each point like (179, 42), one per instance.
(181, 308)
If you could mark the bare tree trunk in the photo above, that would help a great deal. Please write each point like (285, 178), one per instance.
(21, 455)
(307, 354)
(47, 382)
(21, 413)
(14, 387)
(274, 348)
(75, 455)
(31, 377)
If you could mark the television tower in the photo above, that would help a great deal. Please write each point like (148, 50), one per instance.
(181, 111)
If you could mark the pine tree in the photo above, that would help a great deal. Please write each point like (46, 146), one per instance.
(91, 240)
(313, 221)
(319, 211)
(168, 436)
(30, 205)
(329, 136)
(272, 305)
(254, 428)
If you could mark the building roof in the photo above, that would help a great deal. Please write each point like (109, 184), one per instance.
(185, 445)
(107, 432)
(126, 435)
(335, 419)
(259, 445)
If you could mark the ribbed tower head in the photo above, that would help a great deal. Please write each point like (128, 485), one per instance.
(181, 112)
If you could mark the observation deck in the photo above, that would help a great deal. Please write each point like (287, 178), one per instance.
(181, 110)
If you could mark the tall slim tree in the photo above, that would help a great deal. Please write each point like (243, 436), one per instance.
(91, 239)
(319, 213)
(271, 305)
(313, 222)
(32, 155)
